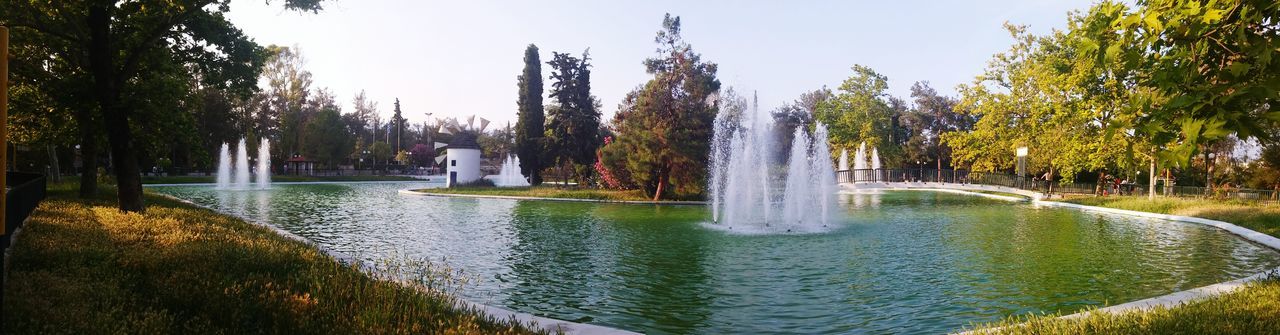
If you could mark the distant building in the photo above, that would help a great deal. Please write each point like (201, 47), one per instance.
(463, 159)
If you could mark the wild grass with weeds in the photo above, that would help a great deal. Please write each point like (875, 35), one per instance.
(81, 266)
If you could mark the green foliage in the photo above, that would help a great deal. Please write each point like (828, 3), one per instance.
(327, 138)
(932, 115)
(664, 127)
(860, 112)
(799, 113)
(1125, 87)
(1212, 64)
(1050, 94)
(572, 134)
(381, 152)
(530, 118)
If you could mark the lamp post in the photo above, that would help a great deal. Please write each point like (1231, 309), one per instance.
(1022, 163)
(1208, 172)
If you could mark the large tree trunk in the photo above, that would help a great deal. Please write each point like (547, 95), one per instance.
(55, 171)
(88, 155)
(107, 90)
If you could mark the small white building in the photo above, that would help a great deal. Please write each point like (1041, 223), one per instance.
(463, 159)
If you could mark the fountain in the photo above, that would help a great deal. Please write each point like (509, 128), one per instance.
(264, 164)
(844, 160)
(868, 165)
(224, 167)
(742, 177)
(860, 157)
(875, 159)
(510, 175)
(239, 177)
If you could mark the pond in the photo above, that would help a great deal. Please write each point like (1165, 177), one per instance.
(897, 262)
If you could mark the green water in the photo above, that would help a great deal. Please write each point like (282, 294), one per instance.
(898, 262)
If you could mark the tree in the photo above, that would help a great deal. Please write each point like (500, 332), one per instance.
(326, 137)
(1211, 65)
(860, 112)
(530, 118)
(931, 116)
(51, 100)
(364, 111)
(397, 122)
(381, 151)
(573, 128)
(115, 43)
(1062, 97)
(288, 94)
(796, 114)
(664, 127)
(422, 154)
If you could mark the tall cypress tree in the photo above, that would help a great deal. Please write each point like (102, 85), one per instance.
(398, 123)
(530, 118)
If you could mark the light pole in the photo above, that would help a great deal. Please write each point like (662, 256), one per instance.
(1022, 163)
(1208, 172)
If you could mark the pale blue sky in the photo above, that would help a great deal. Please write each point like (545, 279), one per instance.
(458, 58)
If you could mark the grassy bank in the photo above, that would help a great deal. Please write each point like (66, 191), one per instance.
(1254, 309)
(1263, 218)
(546, 191)
(81, 266)
(210, 179)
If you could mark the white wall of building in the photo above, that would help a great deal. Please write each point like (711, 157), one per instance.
(462, 166)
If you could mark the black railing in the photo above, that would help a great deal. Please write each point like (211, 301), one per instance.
(24, 192)
(1029, 183)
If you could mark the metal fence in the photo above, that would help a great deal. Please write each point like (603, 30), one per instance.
(1029, 183)
(24, 193)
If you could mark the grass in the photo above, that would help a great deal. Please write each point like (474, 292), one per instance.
(1260, 217)
(81, 266)
(282, 178)
(1255, 309)
(1252, 310)
(546, 191)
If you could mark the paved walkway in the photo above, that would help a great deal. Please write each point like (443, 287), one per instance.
(940, 186)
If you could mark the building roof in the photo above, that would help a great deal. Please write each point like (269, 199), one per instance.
(464, 140)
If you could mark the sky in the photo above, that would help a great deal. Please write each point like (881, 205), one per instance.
(461, 58)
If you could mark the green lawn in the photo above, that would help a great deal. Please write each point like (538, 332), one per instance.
(1252, 310)
(83, 267)
(1260, 217)
(210, 179)
(546, 191)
